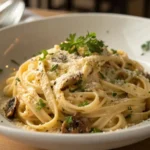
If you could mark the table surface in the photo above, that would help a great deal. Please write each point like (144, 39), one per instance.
(7, 144)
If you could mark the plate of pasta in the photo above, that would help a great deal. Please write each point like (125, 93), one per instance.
(84, 85)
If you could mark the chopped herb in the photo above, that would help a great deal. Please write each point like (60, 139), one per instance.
(15, 62)
(54, 67)
(79, 87)
(83, 104)
(128, 116)
(89, 43)
(146, 46)
(114, 94)
(95, 130)
(69, 120)
(40, 104)
(17, 79)
(142, 54)
(44, 54)
(129, 108)
(1, 70)
(101, 75)
(114, 51)
(87, 53)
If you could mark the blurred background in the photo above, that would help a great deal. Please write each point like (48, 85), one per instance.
(132, 7)
(12, 11)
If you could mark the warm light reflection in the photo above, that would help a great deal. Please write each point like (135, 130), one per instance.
(11, 46)
(7, 66)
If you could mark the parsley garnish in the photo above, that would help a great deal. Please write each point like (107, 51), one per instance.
(69, 120)
(114, 51)
(89, 42)
(83, 104)
(114, 94)
(101, 75)
(79, 87)
(1, 70)
(146, 46)
(129, 108)
(17, 79)
(87, 53)
(15, 62)
(44, 54)
(54, 67)
(95, 130)
(40, 104)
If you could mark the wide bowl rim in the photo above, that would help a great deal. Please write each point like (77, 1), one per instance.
(123, 16)
(107, 135)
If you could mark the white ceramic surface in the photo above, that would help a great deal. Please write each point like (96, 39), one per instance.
(118, 31)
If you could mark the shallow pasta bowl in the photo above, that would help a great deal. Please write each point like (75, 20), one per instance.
(20, 42)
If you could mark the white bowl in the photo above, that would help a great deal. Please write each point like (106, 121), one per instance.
(118, 31)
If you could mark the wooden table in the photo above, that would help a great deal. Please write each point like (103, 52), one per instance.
(7, 144)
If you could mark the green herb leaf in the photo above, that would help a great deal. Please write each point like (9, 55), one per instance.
(78, 87)
(83, 104)
(69, 120)
(114, 94)
(101, 75)
(54, 67)
(40, 104)
(114, 51)
(1, 70)
(44, 54)
(89, 42)
(17, 79)
(129, 108)
(95, 130)
(15, 62)
(146, 46)
(87, 53)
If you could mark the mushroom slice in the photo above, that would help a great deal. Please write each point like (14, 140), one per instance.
(10, 108)
(67, 80)
(147, 75)
(77, 125)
